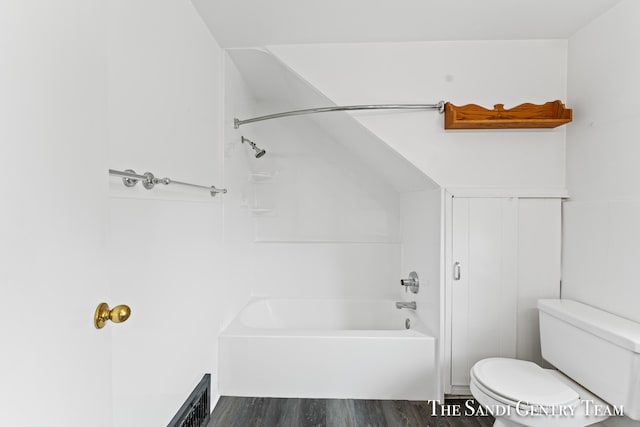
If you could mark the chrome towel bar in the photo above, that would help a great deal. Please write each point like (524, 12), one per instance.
(130, 178)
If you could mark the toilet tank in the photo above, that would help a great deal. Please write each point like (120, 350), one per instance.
(598, 350)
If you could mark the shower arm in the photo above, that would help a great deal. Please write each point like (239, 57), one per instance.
(439, 106)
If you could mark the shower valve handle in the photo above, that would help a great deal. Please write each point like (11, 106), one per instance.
(412, 282)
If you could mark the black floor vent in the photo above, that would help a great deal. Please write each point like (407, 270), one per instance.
(195, 411)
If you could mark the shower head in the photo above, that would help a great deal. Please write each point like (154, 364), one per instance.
(259, 151)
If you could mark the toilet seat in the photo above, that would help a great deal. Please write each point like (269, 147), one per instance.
(518, 382)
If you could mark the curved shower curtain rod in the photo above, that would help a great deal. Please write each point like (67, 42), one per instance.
(439, 106)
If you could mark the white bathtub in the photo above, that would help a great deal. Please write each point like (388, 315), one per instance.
(357, 349)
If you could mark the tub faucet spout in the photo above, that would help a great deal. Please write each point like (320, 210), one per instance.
(405, 304)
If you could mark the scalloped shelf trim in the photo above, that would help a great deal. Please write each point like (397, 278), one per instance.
(524, 116)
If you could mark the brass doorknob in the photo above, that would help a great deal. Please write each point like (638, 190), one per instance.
(118, 314)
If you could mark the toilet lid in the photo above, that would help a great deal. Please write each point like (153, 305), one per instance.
(522, 381)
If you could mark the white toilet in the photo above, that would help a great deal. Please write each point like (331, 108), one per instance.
(597, 353)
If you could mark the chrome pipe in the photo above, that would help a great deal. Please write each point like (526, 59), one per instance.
(439, 106)
(127, 174)
(406, 304)
(130, 178)
(212, 189)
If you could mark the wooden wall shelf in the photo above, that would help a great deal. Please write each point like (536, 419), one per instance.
(525, 116)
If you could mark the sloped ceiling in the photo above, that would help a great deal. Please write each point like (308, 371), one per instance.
(250, 23)
(272, 82)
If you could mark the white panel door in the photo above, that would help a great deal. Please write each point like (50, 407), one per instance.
(484, 286)
(55, 367)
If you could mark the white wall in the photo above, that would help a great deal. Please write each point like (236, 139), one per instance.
(167, 254)
(601, 228)
(481, 72)
(601, 225)
(422, 218)
(325, 218)
(323, 221)
(55, 367)
(318, 191)
(509, 72)
(320, 223)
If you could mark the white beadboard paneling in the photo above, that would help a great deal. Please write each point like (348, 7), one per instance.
(509, 252)
(539, 246)
(460, 302)
(484, 300)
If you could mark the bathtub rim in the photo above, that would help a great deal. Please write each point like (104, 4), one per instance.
(237, 328)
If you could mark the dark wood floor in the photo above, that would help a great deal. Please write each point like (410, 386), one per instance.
(273, 412)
